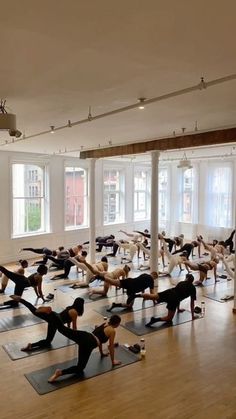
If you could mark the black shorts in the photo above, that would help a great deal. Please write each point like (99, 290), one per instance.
(169, 297)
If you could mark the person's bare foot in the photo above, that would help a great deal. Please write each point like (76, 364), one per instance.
(27, 348)
(54, 377)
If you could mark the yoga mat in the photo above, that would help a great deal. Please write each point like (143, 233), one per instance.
(13, 349)
(84, 293)
(96, 366)
(137, 326)
(139, 304)
(220, 294)
(31, 298)
(17, 322)
(211, 281)
(72, 275)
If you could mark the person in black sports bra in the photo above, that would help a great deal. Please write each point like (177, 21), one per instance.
(87, 342)
(68, 315)
(22, 282)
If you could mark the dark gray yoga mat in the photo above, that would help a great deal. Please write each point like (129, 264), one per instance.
(137, 326)
(17, 322)
(139, 304)
(211, 281)
(96, 366)
(220, 295)
(13, 349)
(31, 297)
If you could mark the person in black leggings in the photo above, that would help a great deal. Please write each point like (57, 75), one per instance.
(68, 263)
(68, 315)
(48, 252)
(173, 297)
(87, 342)
(188, 248)
(229, 242)
(22, 282)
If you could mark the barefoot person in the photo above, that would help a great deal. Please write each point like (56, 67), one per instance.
(20, 270)
(68, 316)
(101, 266)
(131, 285)
(203, 269)
(87, 342)
(22, 282)
(173, 297)
(117, 274)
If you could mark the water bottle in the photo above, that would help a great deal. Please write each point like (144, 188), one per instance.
(142, 347)
(203, 308)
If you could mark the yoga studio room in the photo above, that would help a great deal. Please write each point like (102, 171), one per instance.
(118, 209)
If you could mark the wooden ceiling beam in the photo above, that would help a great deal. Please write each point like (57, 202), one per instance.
(209, 138)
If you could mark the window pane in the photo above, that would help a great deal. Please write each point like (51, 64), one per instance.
(187, 196)
(28, 199)
(141, 194)
(76, 197)
(219, 205)
(112, 196)
(163, 195)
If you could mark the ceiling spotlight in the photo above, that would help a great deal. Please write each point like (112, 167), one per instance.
(89, 114)
(196, 127)
(110, 142)
(141, 102)
(202, 84)
(183, 130)
(184, 163)
(69, 123)
(52, 129)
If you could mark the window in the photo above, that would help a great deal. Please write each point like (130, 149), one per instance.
(141, 194)
(163, 196)
(187, 189)
(30, 205)
(76, 212)
(113, 196)
(219, 195)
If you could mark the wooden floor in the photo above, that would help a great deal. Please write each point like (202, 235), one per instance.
(189, 370)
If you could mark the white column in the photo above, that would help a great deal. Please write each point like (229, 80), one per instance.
(92, 224)
(154, 211)
(234, 308)
(234, 205)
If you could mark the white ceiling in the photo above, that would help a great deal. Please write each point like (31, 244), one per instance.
(59, 57)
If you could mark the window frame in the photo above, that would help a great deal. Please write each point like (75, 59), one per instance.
(147, 191)
(121, 192)
(85, 196)
(210, 193)
(45, 214)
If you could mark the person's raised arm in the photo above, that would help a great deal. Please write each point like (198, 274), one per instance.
(143, 234)
(127, 234)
